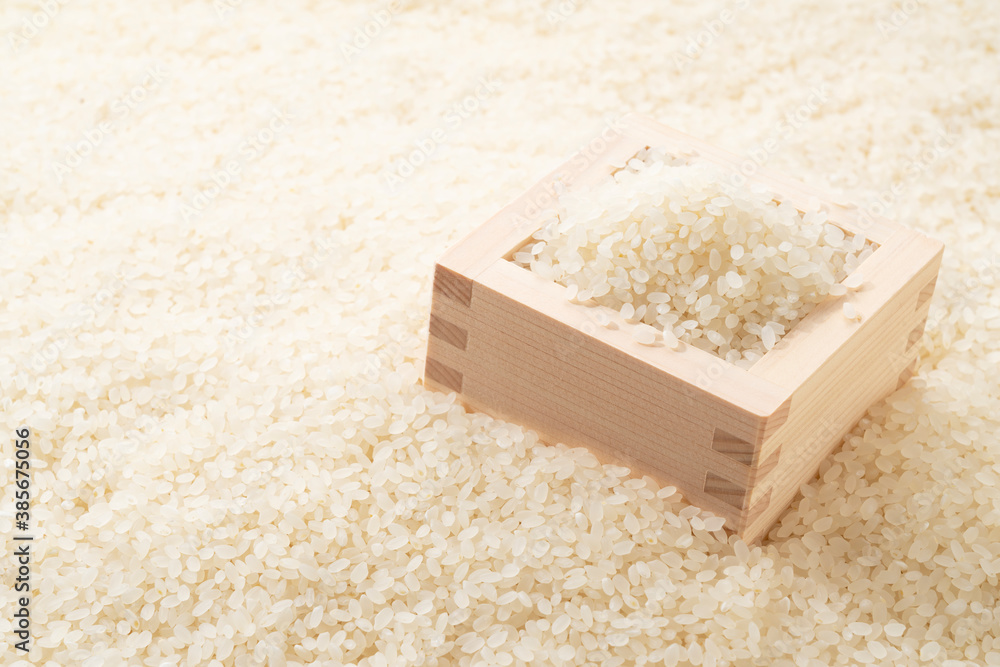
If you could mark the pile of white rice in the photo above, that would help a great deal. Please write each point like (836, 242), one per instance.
(214, 325)
(683, 246)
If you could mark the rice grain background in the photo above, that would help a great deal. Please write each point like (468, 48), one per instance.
(217, 226)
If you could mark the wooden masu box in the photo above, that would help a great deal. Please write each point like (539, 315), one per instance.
(738, 442)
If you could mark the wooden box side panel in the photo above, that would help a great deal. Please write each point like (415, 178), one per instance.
(745, 406)
(513, 361)
(891, 275)
(828, 405)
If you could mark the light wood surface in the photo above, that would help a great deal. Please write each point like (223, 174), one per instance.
(738, 442)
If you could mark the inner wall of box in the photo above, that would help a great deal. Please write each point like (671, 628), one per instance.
(815, 320)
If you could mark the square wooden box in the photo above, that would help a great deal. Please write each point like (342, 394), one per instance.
(736, 441)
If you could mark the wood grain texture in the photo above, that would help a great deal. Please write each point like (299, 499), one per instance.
(767, 467)
(828, 403)
(448, 332)
(726, 491)
(452, 285)
(916, 334)
(906, 374)
(443, 375)
(926, 293)
(738, 442)
(758, 508)
(733, 447)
